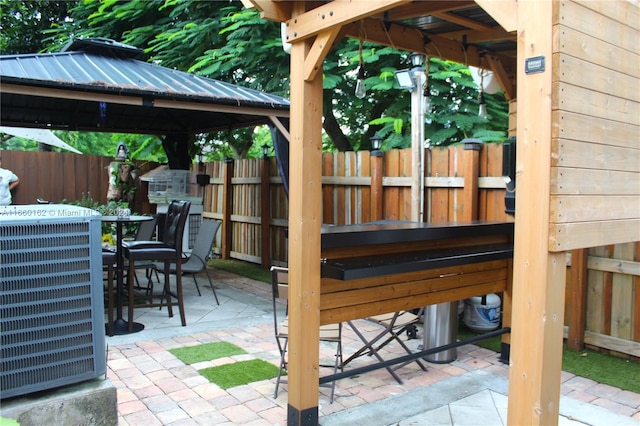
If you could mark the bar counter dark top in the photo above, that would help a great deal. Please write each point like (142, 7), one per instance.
(385, 232)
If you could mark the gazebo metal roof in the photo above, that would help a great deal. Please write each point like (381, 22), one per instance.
(102, 85)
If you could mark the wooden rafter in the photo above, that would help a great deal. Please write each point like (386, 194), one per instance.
(461, 20)
(413, 40)
(332, 14)
(422, 8)
(501, 75)
(493, 34)
(270, 10)
(504, 12)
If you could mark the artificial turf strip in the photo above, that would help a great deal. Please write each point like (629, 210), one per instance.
(240, 373)
(206, 352)
(602, 368)
(245, 269)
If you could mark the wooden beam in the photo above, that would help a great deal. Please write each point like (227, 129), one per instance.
(501, 75)
(334, 14)
(82, 95)
(505, 12)
(414, 40)
(461, 20)
(305, 221)
(270, 10)
(276, 121)
(538, 275)
(496, 33)
(321, 46)
(422, 8)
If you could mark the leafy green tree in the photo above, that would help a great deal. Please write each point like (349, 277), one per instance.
(223, 40)
(23, 22)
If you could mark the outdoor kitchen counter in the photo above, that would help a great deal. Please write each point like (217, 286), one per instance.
(389, 247)
(388, 266)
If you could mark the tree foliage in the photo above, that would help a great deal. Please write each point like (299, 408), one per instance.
(225, 41)
(22, 24)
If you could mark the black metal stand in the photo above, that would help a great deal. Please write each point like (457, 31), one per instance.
(120, 326)
(411, 357)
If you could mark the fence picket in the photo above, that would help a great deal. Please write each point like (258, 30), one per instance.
(613, 301)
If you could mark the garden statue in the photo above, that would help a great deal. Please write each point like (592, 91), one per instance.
(121, 177)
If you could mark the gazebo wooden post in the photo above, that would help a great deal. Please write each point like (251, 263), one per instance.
(305, 220)
(538, 274)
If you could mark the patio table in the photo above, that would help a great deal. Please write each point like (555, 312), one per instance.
(120, 326)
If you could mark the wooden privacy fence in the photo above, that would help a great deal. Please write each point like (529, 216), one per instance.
(58, 176)
(357, 188)
(460, 183)
(603, 283)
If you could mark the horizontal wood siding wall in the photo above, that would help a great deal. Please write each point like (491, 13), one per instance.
(595, 175)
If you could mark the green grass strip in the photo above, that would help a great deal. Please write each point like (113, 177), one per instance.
(245, 269)
(602, 368)
(206, 352)
(240, 373)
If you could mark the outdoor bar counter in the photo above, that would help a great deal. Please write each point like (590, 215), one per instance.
(389, 266)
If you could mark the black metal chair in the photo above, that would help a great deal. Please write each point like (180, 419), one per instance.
(197, 259)
(330, 333)
(146, 232)
(168, 250)
(393, 324)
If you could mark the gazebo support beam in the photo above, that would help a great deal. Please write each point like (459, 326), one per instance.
(305, 220)
(537, 320)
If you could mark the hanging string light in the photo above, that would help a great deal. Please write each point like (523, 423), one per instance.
(361, 90)
(482, 103)
(426, 93)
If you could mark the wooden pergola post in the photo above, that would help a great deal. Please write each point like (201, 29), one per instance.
(537, 320)
(305, 220)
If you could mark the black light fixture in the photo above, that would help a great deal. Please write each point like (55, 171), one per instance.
(376, 142)
(410, 79)
(417, 59)
(265, 151)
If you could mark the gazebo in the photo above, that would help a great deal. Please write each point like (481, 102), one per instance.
(573, 65)
(101, 85)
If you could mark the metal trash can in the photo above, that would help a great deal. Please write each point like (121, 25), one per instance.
(441, 328)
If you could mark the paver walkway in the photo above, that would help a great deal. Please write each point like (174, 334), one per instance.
(155, 388)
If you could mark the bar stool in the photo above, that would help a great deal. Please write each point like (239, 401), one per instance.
(168, 250)
(108, 262)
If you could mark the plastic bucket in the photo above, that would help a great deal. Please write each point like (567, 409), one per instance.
(482, 313)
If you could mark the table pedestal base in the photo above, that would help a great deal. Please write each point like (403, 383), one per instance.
(121, 327)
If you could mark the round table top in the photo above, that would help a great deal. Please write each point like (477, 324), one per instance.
(130, 218)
